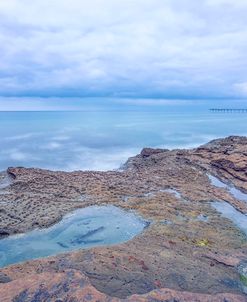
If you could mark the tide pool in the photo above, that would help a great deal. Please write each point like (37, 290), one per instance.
(85, 228)
(234, 191)
(228, 211)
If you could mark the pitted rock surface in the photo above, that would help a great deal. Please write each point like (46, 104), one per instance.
(177, 258)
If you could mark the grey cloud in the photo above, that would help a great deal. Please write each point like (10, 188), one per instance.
(176, 48)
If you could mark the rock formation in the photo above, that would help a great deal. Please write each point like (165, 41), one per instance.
(179, 257)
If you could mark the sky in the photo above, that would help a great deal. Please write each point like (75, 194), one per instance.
(172, 49)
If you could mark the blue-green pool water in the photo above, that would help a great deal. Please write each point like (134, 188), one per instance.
(85, 228)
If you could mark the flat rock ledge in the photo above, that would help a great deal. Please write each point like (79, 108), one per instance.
(188, 253)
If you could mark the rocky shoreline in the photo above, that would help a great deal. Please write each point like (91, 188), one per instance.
(190, 252)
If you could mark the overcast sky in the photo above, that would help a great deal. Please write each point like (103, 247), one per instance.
(130, 48)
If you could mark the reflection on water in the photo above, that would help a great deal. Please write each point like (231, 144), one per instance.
(235, 192)
(92, 226)
(228, 211)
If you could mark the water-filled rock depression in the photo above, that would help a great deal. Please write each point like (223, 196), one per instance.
(84, 228)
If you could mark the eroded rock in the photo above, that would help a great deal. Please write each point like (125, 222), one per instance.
(197, 261)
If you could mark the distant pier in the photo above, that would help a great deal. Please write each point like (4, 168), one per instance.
(229, 110)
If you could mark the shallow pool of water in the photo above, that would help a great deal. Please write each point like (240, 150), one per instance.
(228, 211)
(85, 228)
(234, 191)
(172, 191)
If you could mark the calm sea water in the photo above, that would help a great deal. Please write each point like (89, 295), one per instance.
(103, 140)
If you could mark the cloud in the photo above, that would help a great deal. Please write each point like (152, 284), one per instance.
(132, 48)
(153, 102)
(241, 88)
(19, 137)
(28, 104)
(61, 138)
(51, 146)
(228, 3)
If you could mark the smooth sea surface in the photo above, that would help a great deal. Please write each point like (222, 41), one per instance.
(105, 139)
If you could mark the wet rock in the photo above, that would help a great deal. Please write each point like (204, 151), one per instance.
(186, 260)
(74, 286)
(146, 152)
(242, 269)
(4, 232)
(4, 278)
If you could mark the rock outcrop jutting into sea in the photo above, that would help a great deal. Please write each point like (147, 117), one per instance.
(194, 248)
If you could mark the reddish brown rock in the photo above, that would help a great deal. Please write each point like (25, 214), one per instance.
(74, 286)
(196, 260)
(146, 152)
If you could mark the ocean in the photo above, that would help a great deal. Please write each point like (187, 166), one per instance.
(105, 139)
